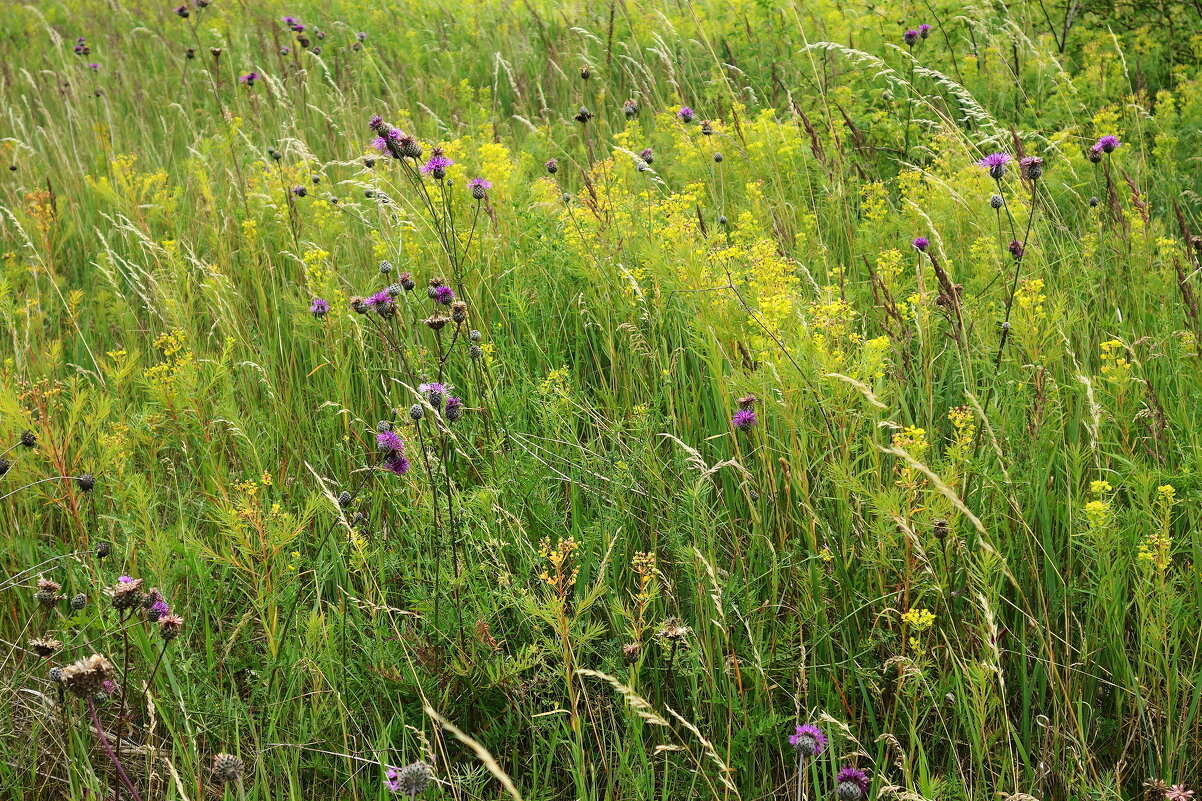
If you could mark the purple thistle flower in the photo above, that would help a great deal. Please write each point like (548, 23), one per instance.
(380, 298)
(376, 123)
(380, 145)
(454, 408)
(921, 244)
(319, 307)
(744, 419)
(552, 166)
(392, 780)
(685, 114)
(290, 21)
(435, 392)
(389, 442)
(157, 610)
(182, 11)
(910, 37)
(851, 784)
(444, 295)
(996, 164)
(924, 30)
(808, 740)
(479, 187)
(249, 78)
(1107, 143)
(437, 166)
(1031, 167)
(647, 155)
(125, 579)
(397, 464)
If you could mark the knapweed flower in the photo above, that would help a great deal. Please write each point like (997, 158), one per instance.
(383, 303)
(630, 108)
(1107, 143)
(389, 442)
(182, 11)
(479, 188)
(319, 308)
(924, 30)
(435, 392)
(910, 37)
(808, 740)
(93, 67)
(454, 408)
(748, 401)
(45, 646)
(996, 164)
(685, 114)
(249, 78)
(1031, 167)
(437, 166)
(851, 784)
(552, 166)
(996, 201)
(157, 611)
(397, 464)
(444, 295)
(921, 244)
(376, 122)
(647, 155)
(583, 115)
(299, 191)
(1016, 249)
(744, 419)
(1178, 793)
(410, 780)
(47, 593)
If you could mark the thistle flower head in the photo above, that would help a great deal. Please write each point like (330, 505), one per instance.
(28, 438)
(444, 295)
(924, 30)
(227, 768)
(921, 244)
(851, 784)
(87, 677)
(996, 164)
(435, 392)
(249, 78)
(1107, 143)
(910, 37)
(1031, 167)
(437, 166)
(685, 114)
(410, 780)
(170, 626)
(47, 593)
(389, 442)
(744, 419)
(479, 188)
(319, 307)
(454, 408)
(45, 646)
(996, 201)
(126, 593)
(397, 464)
(647, 155)
(808, 740)
(552, 166)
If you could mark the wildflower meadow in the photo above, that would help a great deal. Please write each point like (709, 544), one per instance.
(634, 400)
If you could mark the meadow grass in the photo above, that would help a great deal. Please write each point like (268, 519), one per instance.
(768, 405)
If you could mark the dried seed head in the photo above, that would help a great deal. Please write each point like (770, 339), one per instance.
(170, 626)
(631, 651)
(4, 466)
(939, 527)
(103, 549)
(630, 108)
(28, 438)
(45, 646)
(126, 594)
(87, 677)
(476, 351)
(86, 482)
(47, 593)
(437, 321)
(459, 311)
(227, 768)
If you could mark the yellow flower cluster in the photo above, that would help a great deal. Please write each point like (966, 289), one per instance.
(919, 619)
(1115, 366)
(561, 571)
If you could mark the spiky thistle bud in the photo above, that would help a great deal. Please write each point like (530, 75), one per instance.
(86, 482)
(28, 438)
(79, 602)
(345, 499)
